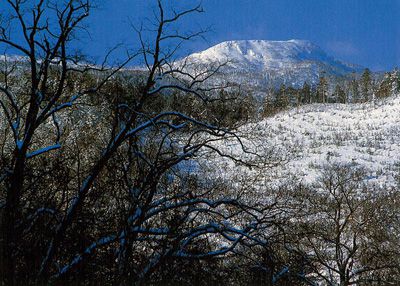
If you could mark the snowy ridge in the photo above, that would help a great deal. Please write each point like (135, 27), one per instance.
(13, 58)
(292, 62)
(260, 55)
(365, 136)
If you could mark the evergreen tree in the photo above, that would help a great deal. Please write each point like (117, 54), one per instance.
(322, 89)
(366, 85)
(395, 81)
(314, 94)
(385, 86)
(339, 94)
(282, 99)
(293, 96)
(306, 93)
(269, 107)
(355, 89)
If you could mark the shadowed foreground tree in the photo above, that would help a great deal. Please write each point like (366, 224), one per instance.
(86, 197)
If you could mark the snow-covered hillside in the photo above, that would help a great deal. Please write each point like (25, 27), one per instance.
(291, 62)
(313, 136)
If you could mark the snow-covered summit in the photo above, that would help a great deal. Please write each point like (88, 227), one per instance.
(260, 54)
(293, 61)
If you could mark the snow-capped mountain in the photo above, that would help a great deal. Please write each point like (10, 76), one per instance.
(264, 62)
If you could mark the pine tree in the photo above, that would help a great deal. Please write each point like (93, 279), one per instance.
(366, 85)
(282, 99)
(306, 93)
(395, 81)
(269, 107)
(385, 86)
(355, 89)
(339, 94)
(293, 96)
(322, 89)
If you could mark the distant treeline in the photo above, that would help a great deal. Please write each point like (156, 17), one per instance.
(357, 89)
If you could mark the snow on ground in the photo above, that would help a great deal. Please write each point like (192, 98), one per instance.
(310, 137)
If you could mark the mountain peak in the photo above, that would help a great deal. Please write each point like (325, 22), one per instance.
(261, 54)
(301, 59)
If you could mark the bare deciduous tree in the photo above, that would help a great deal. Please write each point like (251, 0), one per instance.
(159, 214)
(339, 229)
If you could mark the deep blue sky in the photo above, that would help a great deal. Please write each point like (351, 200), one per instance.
(365, 32)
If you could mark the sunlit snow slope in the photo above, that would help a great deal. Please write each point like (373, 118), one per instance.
(360, 135)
